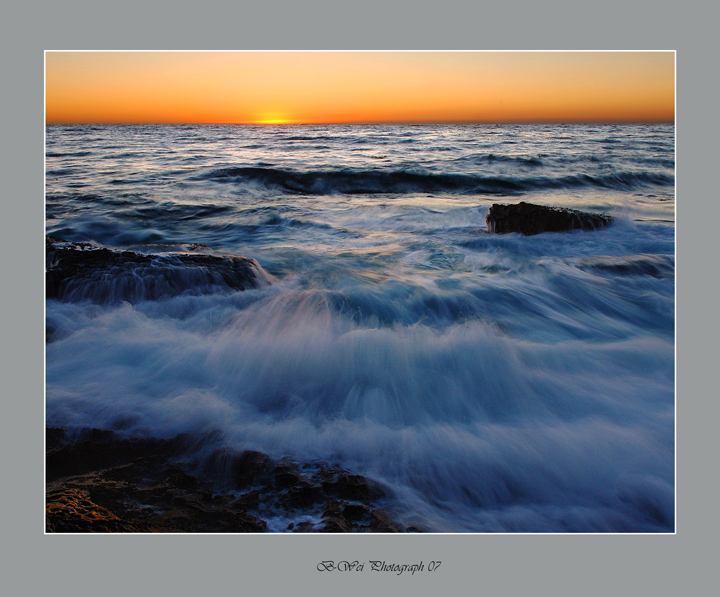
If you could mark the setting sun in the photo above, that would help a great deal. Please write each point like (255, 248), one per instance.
(274, 120)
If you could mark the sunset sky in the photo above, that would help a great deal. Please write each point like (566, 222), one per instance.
(333, 87)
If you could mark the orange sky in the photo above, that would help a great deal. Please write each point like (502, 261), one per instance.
(328, 87)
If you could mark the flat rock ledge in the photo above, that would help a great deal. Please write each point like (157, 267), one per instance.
(97, 482)
(84, 271)
(530, 219)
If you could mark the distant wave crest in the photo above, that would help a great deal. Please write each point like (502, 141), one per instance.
(329, 182)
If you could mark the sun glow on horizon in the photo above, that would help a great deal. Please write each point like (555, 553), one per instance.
(276, 88)
(273, 117)
(274, 121)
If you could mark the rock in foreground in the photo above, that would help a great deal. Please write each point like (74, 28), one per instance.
(529, 219)
(100, 483)
(82, 271)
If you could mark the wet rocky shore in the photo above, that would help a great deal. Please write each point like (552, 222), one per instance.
(100, 482)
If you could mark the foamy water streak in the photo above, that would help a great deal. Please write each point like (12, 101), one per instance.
(491, 382)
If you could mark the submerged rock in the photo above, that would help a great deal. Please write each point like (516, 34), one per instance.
(529, 219)
(240, 470)
(82, 271)
(657, 266)
(99, 482)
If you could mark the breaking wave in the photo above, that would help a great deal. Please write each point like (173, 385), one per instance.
(353, 182)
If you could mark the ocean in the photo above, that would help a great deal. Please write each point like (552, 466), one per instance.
(490, 382)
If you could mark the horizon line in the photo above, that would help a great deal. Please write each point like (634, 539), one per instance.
(405, 122)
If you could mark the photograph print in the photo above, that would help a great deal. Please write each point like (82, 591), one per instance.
(360, 292)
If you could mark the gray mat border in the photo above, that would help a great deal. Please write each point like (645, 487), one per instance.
(508, 565)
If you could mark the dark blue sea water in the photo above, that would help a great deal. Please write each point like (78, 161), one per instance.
(493, 383)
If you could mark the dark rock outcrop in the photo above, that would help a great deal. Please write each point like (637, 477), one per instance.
(529, 219)
(82, 271)
(98, 482)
